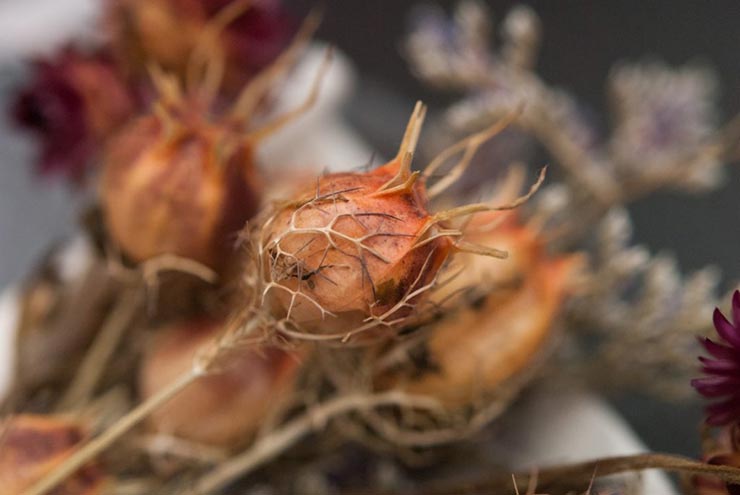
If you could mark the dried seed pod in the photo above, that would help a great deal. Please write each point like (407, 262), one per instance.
(506, 317)
(183, 180)
(354, 255)
(33, 445)
(354, 247)
(226, 406)
(178, 187)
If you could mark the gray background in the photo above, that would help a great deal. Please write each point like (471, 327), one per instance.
(582, 39)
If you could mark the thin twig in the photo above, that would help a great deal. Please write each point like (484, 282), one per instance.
(272, 445)
(584, 472)
(113, 433)
(95, 361)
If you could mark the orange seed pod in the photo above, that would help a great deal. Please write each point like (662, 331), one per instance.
(221, 408)
(32, 445)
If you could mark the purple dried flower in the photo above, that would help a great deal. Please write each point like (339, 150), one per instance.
(661, 112)
(723, 368)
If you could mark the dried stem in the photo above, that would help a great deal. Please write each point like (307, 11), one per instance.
(113, 433)
(584, 472)
(94, 364)
(273, 444)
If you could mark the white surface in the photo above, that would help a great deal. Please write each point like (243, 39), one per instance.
(319, 139)
(30, 27)
(555, 426)
(9, 313)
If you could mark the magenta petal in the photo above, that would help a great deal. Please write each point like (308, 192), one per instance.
(718, 350)
(736, 308)
(716, 386)
(720, 367)
(725, 329)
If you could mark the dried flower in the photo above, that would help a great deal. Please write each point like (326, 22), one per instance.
(229, 404)
(33, 445)
(723, 368)
(357, 252)
(72, 103)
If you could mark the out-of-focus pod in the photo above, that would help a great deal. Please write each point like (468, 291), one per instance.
(222, 408)
(33, 445)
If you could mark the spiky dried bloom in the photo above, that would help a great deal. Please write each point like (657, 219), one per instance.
(178, 185)
(354, 246)
(231, 403)
(33, 445)
(355, 253)
(723, 368)
(72, 102)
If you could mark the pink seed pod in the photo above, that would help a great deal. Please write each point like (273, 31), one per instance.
(179, 187)
(33, 445)
(355, 255)
(496, 333)
(353, 251)
(226, 406)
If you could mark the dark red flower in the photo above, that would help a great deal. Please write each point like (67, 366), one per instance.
(71, 103)
(722, 368)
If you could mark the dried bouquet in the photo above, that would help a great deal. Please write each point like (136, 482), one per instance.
(231, 326)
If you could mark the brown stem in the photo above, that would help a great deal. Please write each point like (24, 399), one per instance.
(583, 473)
(110, 435)
(103, 347)
(278, 441)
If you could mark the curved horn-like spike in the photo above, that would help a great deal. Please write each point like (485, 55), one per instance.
(465, 210)
(405, 154)
(470, 146)
(310, 101)
(205, 58)
(472, 248)
(260, 85)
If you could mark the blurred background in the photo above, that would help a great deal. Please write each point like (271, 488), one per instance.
(581, 41)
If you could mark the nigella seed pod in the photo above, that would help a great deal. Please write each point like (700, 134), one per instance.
(183, 181)
(501, 320)
(178, 187)
(34, 445)
(354, 251)
(355, 255)
(226, 406)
